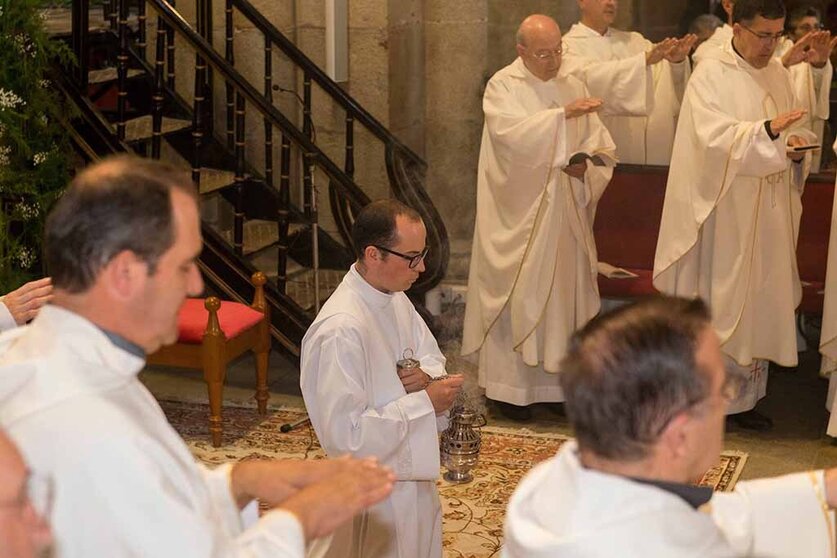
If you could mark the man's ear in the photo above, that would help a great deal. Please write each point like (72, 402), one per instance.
(370, 253)
(124, 275)
(676, 436)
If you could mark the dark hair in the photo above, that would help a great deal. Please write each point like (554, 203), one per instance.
(375, 225)
(799, 13)
(747, 10)
(628, 372)
(121, 203)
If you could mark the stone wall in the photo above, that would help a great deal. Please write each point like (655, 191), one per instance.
(418, 66)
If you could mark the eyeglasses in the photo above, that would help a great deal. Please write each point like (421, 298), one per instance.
(37, 492)
(765, 37)
(414, 260)
(807, 27)
(734, 382)
(547, 54)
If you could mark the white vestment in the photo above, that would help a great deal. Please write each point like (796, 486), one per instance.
(641, 102)
(532, 281)
(125, 483)
(562, 510)
(812, 86)
(732, 208)
(358, 405)
(828, 334)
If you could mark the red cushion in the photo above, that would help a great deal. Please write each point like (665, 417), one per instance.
(627, 288)
(234, 318)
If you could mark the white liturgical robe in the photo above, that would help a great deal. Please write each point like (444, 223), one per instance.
(125, 482)
(641, 102)
(563, 510)
(532, 281)
(812, 86)
(358, 405)
(828, 335)
(732, 208)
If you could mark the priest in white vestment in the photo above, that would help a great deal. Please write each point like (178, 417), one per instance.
(805, 53)
(121, 245)
(828, 333)
(544, 162)
(361, 403)
(646, 391)
(642, 84)
(733, 199)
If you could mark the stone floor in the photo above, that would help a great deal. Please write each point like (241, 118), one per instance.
(795, 401)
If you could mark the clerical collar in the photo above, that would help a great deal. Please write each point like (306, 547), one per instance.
(605, 34)
(695, 496)
(122, 343)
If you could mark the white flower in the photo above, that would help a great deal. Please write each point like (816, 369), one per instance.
(40, 158)
(5, 151)
(25, 257)
(27, 211)
(8, 99)
(24, 45)
(44, 83)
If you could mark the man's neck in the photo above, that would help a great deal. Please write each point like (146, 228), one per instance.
(648, 468)
(598, 27)
(94, 310)
(363, 271)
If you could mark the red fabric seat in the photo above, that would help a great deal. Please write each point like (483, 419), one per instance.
(627, 288)
(233, 317)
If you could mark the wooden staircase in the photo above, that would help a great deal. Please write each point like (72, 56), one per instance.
(256, 216)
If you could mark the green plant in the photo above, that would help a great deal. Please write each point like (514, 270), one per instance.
(34, 147)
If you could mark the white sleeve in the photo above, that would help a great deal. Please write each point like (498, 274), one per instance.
(402, 434)
(6, 320)
(782, 516)
(136, 506)
(626, 85)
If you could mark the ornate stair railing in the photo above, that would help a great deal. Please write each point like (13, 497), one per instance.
(151, 56)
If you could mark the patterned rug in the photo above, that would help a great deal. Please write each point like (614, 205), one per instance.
(473, 512)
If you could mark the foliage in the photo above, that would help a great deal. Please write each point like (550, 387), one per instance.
(34, 147)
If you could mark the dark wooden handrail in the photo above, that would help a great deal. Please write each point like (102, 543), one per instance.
(321, 79)
(175, 21)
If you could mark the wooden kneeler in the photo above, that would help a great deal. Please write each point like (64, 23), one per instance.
(211, 333)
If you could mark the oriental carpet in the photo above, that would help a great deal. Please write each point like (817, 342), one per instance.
(473, 512)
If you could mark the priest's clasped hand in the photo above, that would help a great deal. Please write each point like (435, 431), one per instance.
(442, 392)
(784, 121)
(582, 106)
(413, 379)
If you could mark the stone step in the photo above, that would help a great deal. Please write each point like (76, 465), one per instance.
(109, 74)
(142, 127)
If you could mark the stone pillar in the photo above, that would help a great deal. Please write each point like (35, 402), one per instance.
(456, 71)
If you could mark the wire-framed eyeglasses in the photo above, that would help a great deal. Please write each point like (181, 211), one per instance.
(414, 260)
(765, 37)
(546, 54)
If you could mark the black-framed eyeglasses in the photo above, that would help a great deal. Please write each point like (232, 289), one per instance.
(414, 260)
(765, 37)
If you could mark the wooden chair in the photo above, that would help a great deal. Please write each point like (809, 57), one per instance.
(211, 333)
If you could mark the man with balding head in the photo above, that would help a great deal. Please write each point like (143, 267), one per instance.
(642, 84)
(121, 246)
(544, 162)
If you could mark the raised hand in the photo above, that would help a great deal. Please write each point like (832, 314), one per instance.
(582, 106)
(799, 51)
(443, 392)
(681, 48)
(822, 43)
(25, 302)
(659, 51)
(323, 506)
(784, 121)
